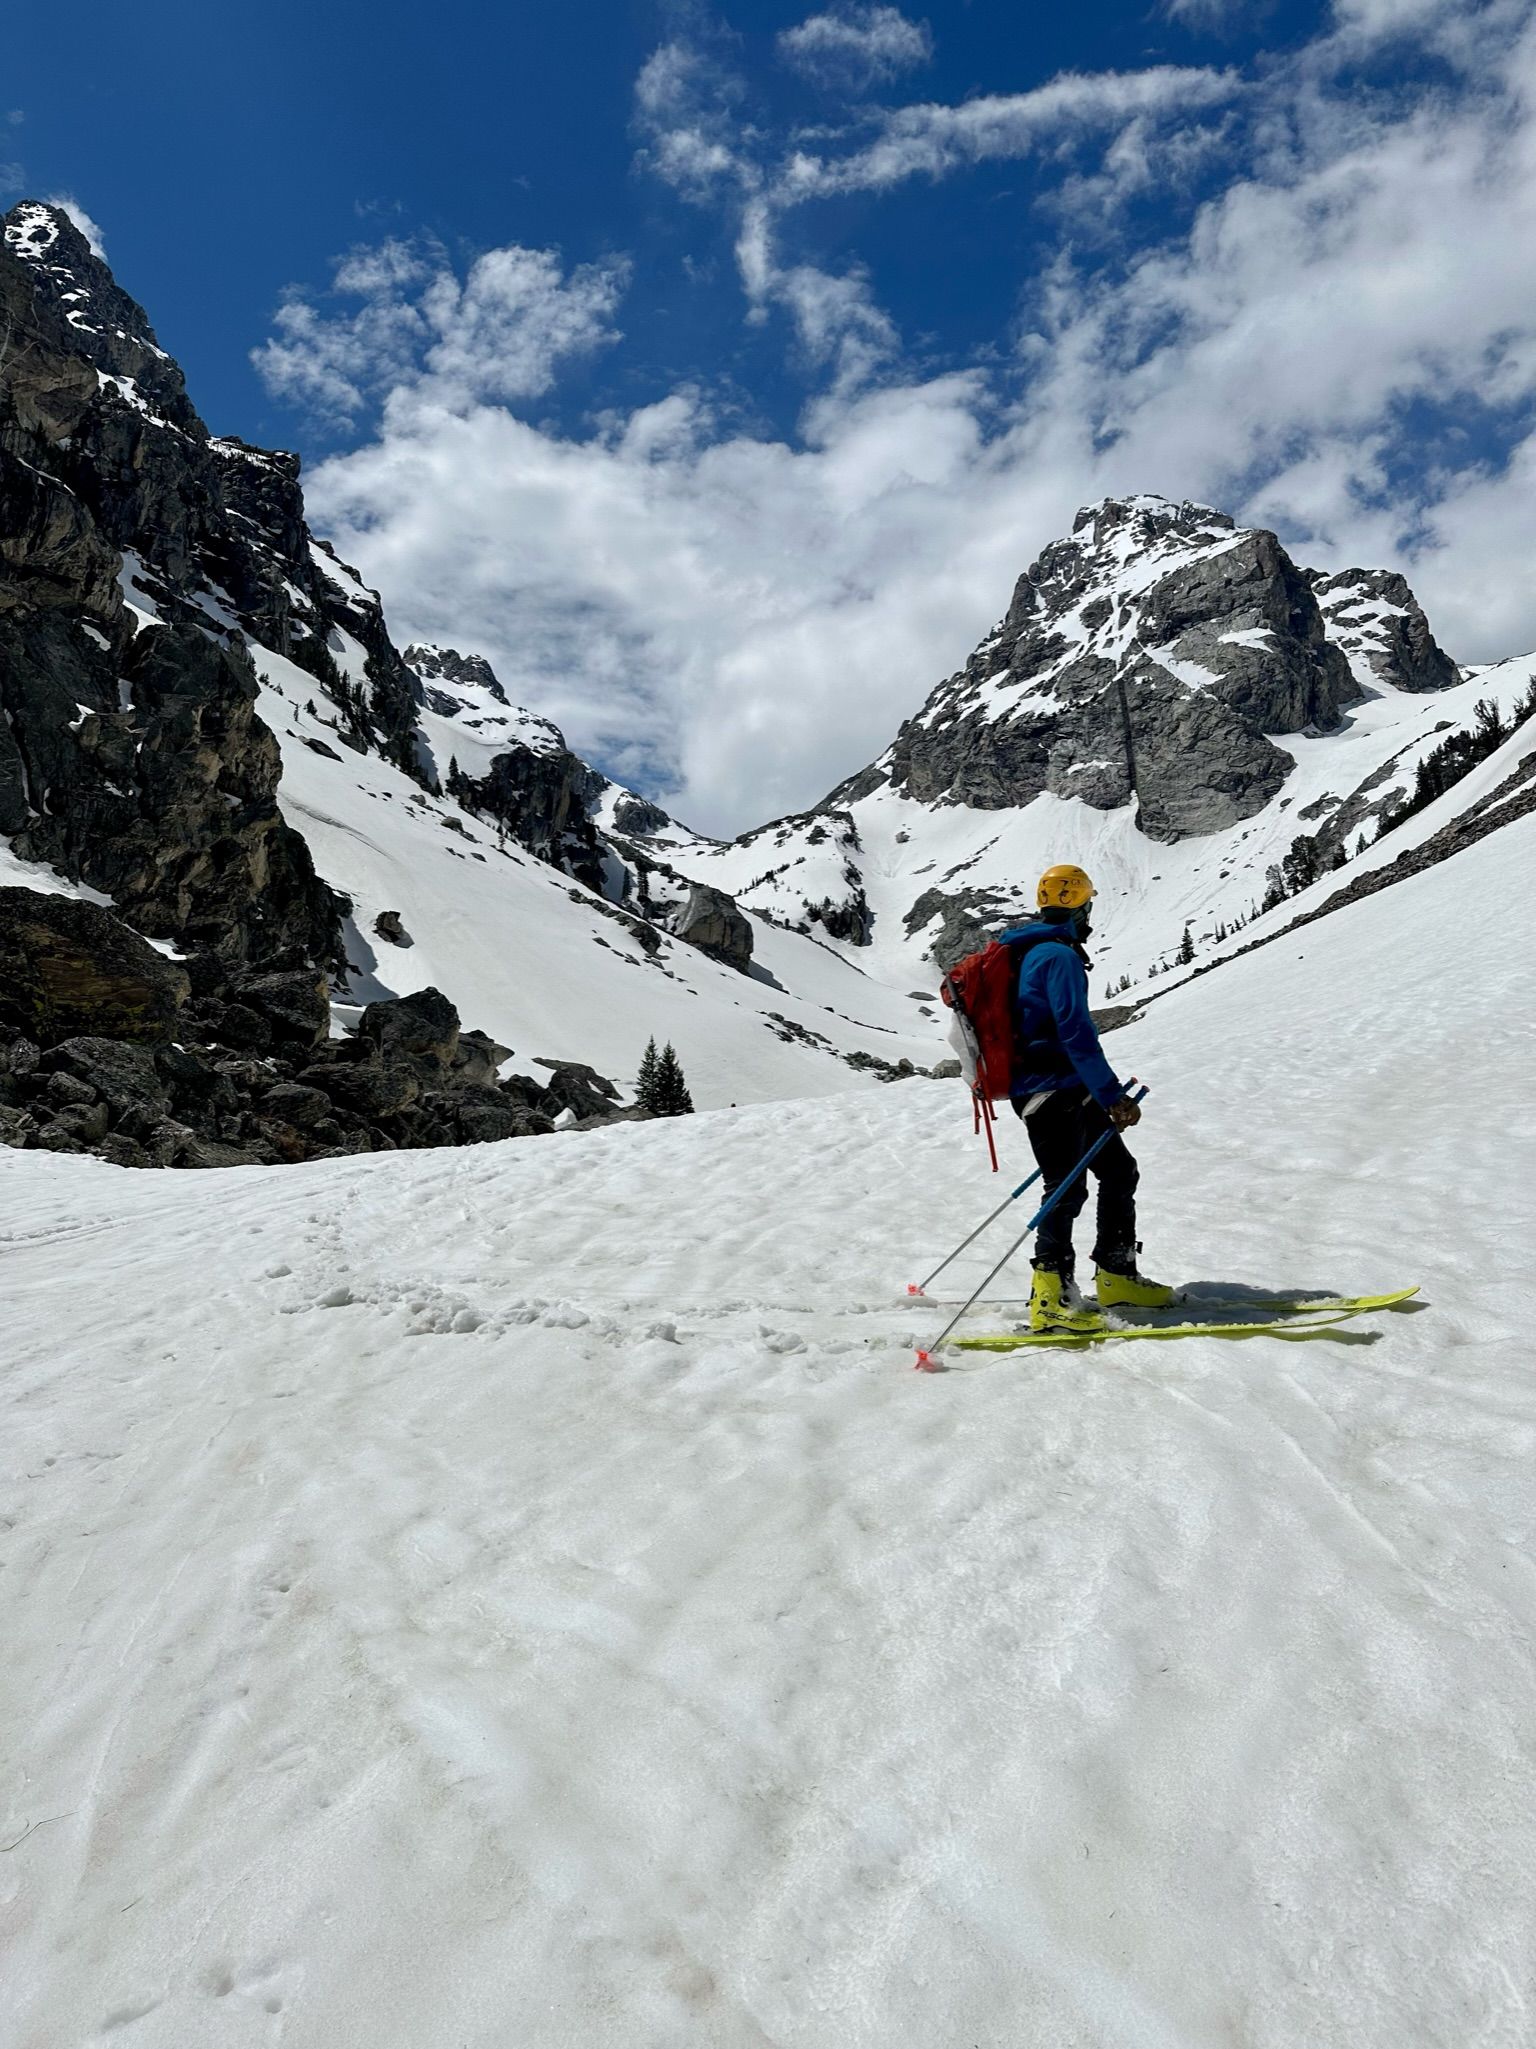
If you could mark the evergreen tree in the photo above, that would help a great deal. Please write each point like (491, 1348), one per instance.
(647, 1087)
(1186, 949)
(671, 1089)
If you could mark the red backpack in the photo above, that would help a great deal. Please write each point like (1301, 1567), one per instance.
(982, 991)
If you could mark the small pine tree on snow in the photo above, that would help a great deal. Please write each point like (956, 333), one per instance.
(1186, 949)
(647, 1088)
(671, 1089)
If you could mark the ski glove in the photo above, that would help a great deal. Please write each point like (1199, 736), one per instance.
(1124, 1113)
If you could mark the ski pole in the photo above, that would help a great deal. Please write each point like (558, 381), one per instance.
(922, 1287)
(924, 1361)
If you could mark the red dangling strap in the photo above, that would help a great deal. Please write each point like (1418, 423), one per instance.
(981, 1109)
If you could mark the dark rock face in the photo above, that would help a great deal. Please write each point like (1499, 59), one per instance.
(1147, 656)
(133, 758)
(639, 816)
(69, 969)
(1378, 622)
(574, 1086)
(296, 1006)
(710, 920)
(543, 800)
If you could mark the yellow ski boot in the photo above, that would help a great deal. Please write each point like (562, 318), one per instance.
(1130, 1291)
(1052, 1308)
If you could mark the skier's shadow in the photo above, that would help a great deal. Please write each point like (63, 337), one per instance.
(1221, 1296)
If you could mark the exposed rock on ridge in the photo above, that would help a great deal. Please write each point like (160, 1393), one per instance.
(1376, 620)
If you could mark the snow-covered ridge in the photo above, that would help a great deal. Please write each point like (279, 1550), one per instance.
(32, 231)
(466, 716)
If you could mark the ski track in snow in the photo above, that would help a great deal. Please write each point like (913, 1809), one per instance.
(522, 1594)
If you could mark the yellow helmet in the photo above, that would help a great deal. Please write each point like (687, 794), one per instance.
(1063, 886)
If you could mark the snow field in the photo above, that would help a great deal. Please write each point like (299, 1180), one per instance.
(522, 1595)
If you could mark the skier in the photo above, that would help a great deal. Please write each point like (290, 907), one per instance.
(1068, 1095)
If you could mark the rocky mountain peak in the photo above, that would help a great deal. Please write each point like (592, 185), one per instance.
(105, 325)
(1145, 516)
(1147, 656)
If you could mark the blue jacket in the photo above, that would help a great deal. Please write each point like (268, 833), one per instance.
(1058, 1042)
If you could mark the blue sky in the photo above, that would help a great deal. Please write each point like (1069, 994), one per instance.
(231, 153)
(715, 370)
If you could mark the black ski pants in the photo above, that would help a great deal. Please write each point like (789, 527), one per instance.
(1060, 1132)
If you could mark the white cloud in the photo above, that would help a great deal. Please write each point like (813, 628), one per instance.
(935, 140)
(82, 220)
(499, 335)
(745, 620)
(13, 179)
(684, 102)
(856, 46)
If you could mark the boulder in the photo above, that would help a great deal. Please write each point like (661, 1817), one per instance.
(370, 1091)
(19, 1057)
(17, 1126)
(188, 1075)
(63, 1091)
(389, 928)
(69, 968)
(293, 1103)
(574, 1086)
(123, 1075)
(237, 1024)
(83, 1123)
(477, 1059)
(486, 1119)
(296, 1005)
(711, 921)
(423, 1027)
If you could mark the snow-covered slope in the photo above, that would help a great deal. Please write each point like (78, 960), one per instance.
(524, 1596)
(548, 966)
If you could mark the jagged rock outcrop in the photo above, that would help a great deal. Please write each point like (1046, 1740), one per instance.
(1373, 616)
(214, 529)
(638, 816)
